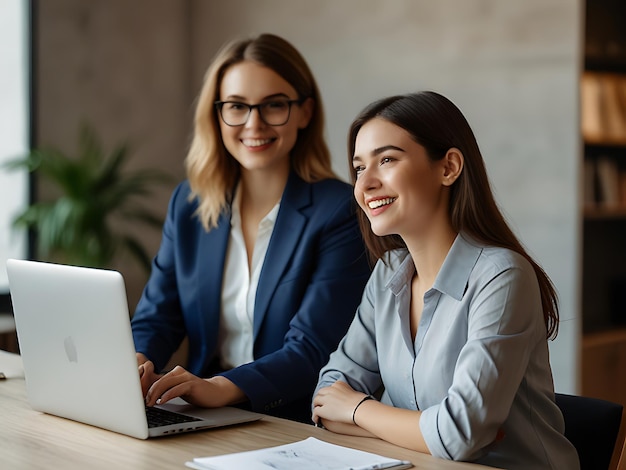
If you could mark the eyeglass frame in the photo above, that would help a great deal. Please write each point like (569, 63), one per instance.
(219, 105)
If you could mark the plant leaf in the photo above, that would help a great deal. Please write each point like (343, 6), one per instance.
(95, 190)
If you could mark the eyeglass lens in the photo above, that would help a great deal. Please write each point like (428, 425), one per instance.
(273, 113)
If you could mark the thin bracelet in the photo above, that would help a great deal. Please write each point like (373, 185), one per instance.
(364, 399)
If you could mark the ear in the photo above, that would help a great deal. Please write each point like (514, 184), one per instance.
(452, 166)
(306, 113)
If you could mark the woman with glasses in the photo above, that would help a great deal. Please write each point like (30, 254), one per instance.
(452, 332)
(261, 263)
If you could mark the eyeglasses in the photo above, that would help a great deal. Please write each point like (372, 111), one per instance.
(272, 113)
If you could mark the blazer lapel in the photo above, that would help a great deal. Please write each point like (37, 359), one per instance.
(288, 228)
(210, 272)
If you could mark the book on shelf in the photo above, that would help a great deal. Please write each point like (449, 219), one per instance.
(604, 183)
(589, 183)
(603, 107)
(608, 179)
(590, 99)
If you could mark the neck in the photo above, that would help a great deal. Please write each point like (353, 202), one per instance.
(429, 253)
(260, 191)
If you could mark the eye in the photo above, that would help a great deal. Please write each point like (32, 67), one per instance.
(275, 105)
(385, 160)
(234, 106)
(359, 169)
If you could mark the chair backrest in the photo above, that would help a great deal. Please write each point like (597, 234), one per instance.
(621, 462)
(592, 426)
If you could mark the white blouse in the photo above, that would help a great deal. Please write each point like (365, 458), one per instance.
(239, 288)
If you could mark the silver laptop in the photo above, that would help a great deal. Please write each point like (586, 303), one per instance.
(76, 343)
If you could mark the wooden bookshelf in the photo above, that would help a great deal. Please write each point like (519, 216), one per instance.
(603, 133)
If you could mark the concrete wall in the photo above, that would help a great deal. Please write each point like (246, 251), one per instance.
(124, 68)
(133, 68)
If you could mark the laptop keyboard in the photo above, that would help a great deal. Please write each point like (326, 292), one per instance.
(160, 417)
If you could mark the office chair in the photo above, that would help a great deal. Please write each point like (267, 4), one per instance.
(592, 426)
(621, 463)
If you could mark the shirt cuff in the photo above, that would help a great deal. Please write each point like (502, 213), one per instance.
(429, 426)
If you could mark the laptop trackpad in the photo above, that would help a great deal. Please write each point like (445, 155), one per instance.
(221, 416)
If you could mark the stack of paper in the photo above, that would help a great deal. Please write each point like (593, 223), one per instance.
(309, 454)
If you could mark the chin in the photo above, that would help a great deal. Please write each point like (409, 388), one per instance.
(380, 232)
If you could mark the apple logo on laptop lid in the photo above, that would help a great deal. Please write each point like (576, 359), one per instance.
(70, 349)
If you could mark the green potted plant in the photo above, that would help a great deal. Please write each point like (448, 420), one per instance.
(85, 224)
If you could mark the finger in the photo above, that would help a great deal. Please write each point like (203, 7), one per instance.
(314, 416)
(316, 400)
(145, 385)
(147, 376)
(178, 370)
(158, 388)
(146, 369)
(158, 391)
(322, 392)
(179, 390)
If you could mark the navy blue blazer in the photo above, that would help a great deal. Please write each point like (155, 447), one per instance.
(310, 285)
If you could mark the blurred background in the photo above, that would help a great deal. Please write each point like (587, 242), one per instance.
(134, 69)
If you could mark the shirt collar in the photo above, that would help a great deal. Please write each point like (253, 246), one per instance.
(454, 274)
(403, 274)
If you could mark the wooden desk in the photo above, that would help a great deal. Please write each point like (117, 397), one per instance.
(29, 439)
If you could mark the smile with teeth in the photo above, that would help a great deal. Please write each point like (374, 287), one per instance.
(255, 142)
(380, 202)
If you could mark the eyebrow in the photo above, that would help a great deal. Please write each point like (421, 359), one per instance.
(270, 97)
(379, 150)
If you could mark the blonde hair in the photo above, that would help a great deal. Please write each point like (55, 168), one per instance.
(211, 170)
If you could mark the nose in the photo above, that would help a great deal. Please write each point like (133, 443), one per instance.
(367, 180)
(254, 119)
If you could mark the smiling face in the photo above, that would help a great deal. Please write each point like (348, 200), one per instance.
(256, 145)
(400, 189)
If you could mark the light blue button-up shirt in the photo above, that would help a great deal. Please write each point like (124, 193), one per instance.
(479, 361)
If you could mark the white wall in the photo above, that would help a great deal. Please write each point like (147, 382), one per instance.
(512, 67)
(132, 69)
(123, 68)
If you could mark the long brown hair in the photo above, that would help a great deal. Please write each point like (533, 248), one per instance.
(211, 171)
(438, 125)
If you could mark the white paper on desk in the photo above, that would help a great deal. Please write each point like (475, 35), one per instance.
(309, 454)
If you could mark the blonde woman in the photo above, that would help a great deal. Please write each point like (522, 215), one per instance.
(261, 263)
